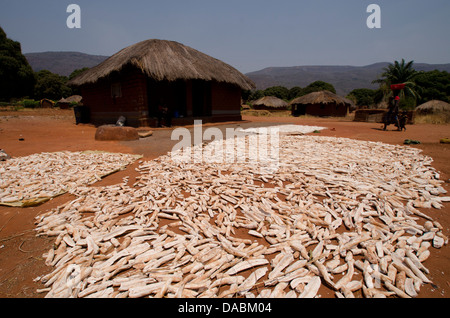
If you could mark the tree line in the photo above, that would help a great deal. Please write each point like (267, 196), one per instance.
(286, 93)
(18, 80)
(420, 88)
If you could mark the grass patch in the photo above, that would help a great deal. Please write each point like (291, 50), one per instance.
(288, 113)
(257, 113)
(266, 113)
(436, 119)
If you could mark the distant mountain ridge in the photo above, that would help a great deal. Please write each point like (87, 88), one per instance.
(343, 78)
(62, 63)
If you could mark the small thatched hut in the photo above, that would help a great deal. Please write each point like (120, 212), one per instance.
(433, 107)
(46, 103)
(137, 80)
(269, 103)
(323, 103)
(64, 103)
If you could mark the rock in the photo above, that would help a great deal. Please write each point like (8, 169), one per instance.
(411, 142)
(146, 133)
(121, 121)
(3, 155)
(112, 132)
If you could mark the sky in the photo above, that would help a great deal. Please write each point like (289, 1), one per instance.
(247, 34)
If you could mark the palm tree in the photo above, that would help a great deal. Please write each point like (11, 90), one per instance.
(399, 73)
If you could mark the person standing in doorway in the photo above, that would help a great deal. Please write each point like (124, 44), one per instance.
(163, 113)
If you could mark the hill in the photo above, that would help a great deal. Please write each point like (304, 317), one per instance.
(62, 63)
(343, 78)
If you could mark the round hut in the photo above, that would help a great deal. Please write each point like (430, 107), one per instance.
(323, 103)
(433, 107)
(64, 103)
(271, 103)
(157, 76)
(46, 103)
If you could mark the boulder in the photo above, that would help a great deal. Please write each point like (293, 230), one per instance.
(112, 132)
(145, 133)
(3, 155)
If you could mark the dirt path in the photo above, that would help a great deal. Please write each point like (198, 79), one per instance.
(54, 130)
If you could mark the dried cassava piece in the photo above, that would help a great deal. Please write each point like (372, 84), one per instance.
(335, 212)
(34, 179)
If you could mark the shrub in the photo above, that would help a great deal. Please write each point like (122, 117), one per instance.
(30, 103)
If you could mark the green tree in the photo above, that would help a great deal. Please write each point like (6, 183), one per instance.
(257, 94)
(318, 86)
(399, 73)
(16, 76)
(51, 86)
(363, 96)
(245, 95)
(378, 96)
(433, 85)
(77, 91)
(295, 92)
(277, 91)
(77, 72)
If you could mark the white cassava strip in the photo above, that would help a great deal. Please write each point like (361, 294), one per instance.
(35, 178)
(192, 229)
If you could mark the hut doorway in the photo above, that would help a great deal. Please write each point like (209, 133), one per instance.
(170, 94)
(201, 99)
(298, 110)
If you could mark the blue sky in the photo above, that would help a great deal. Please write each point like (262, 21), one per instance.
(248, 34)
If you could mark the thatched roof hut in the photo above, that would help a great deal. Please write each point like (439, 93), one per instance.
(433, 106)
(71, 99)
(142, 79)
(64, 103)
(322, 97)
(270, 103)
(166, 60)
(46, 103)
(323, 103)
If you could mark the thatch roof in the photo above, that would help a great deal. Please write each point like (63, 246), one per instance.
(433, 106)
(71, 99)
(166, 60)
(271, 102)
(322, 97)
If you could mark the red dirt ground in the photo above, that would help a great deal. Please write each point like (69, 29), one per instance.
(54, 130)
